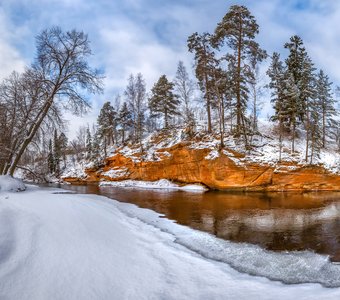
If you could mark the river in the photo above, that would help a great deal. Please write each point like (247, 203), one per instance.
(275, 221)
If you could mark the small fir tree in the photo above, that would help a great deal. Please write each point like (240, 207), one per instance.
(125, 120)
(163, 101)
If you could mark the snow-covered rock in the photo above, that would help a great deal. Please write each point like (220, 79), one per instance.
(159, 184)
(10, 184)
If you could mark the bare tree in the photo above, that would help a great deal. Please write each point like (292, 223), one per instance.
(135, 94)
(59, 74)
(184, 87)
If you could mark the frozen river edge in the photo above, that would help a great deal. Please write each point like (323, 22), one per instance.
(58, 245)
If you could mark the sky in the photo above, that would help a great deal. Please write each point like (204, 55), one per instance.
(149, 36)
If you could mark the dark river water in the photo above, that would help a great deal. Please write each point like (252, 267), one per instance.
(275, 221)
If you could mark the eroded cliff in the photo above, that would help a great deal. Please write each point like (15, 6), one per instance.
(224, 170)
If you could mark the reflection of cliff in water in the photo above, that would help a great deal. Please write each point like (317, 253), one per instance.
(276, 221)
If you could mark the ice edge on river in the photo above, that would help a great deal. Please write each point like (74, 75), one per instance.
(293, 267)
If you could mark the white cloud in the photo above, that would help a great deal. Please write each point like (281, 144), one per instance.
(150, 36)
(10, 57)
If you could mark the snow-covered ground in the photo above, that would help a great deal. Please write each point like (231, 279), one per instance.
(59, 245)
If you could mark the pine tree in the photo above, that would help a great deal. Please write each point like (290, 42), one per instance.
(221, 84)
(95, 156)
(200, 45)
(88, 145)
(326, 102)
(56, 153)
(125, 120)
(107, 125)
(277, 84)
(292, 108)
(140, 108)
(50, 158)
(163, 100)
(63, 141)
(256, 56)
(315, 130)
(301, 68)
(238, 30)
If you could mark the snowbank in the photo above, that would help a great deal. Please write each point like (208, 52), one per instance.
(159, 184)
(10, 184)
(70, 246)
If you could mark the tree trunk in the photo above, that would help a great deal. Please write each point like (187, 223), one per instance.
(323, 129)
(307, 135)
(31, 133)
(238, 83)
(293, 138)
(166, 125)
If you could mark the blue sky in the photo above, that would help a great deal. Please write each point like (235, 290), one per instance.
(149, 36)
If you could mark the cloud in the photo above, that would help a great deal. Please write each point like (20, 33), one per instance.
(149, 36)
(10, 57)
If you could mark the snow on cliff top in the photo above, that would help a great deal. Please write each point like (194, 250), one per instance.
(10, 184)
(265, 148)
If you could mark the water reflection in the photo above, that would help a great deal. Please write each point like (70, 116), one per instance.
(276, 221)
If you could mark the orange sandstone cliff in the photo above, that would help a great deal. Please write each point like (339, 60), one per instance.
(228, 170)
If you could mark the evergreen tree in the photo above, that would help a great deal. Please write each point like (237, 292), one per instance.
(326, 103)
(315, 129)
(125, 120)
(163, 100)
(63, 141)
(200, 45)
(279, 97)
(50, 158)
(88, 145)
(95, 156)
(256, 56)
(291, 105)
(220, 86)
(107, 125)
(238, 30)
(301, 70)
(56, 153)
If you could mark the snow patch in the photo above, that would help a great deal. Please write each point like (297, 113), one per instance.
(159, 184)
(116, 172)
(213, 154)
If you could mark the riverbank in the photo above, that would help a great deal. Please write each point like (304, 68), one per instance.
(57, 245)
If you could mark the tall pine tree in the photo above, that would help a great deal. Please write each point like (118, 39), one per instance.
(326, 102)
(200, 45)
(238, 30)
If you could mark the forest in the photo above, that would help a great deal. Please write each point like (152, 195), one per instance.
(224, 99)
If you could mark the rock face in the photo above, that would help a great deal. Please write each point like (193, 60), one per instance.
(225, 171)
